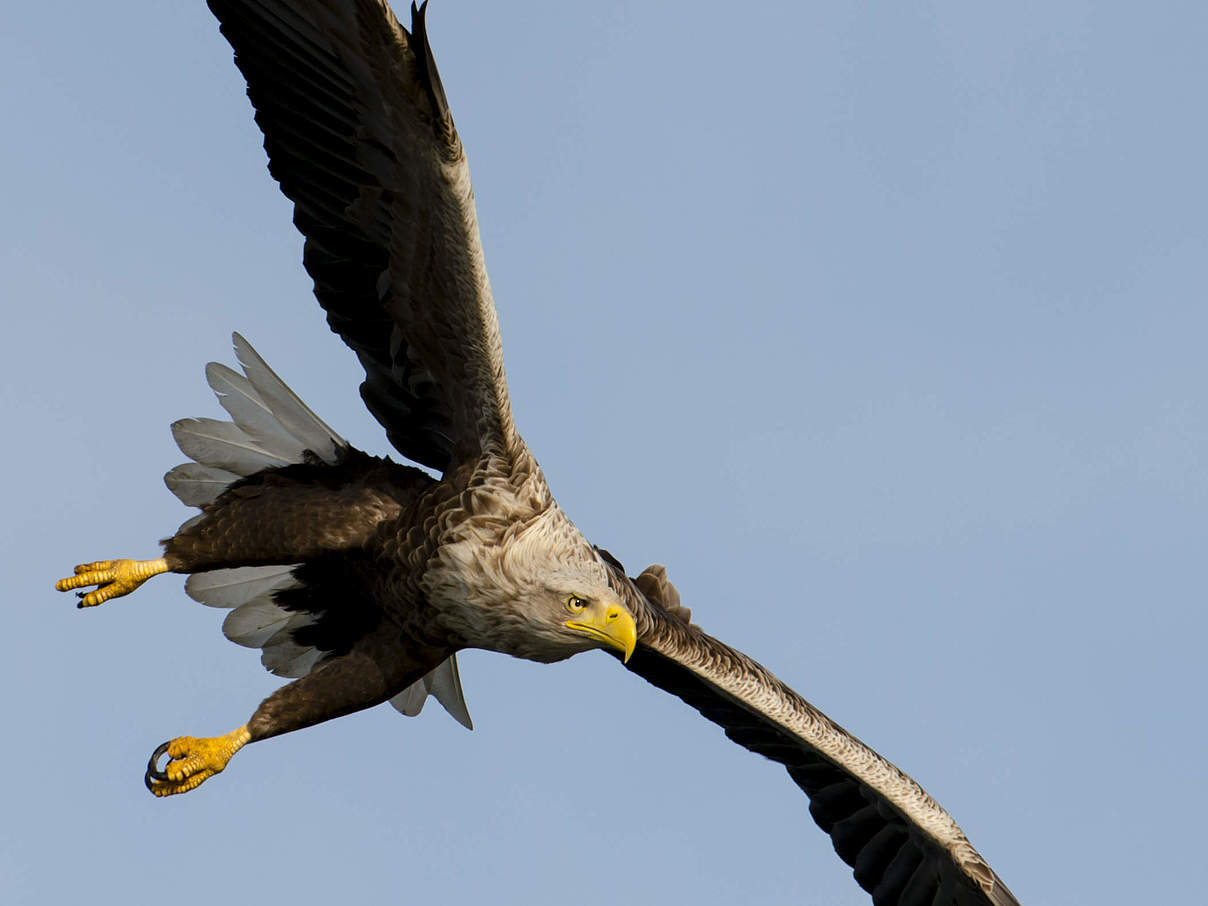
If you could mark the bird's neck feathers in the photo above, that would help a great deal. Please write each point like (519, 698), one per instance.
(493, 574)
(499, 555)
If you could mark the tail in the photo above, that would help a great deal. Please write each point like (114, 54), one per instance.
(270, 427)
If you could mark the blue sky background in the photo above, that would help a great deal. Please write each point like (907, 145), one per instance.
(882, 325)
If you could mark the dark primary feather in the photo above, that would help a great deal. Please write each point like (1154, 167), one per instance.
(892, 856)
(358, 134)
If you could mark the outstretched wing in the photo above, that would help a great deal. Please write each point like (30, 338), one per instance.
(359, 135)
(904, 849)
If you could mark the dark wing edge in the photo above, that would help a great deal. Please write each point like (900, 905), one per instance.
(359, 136)
(904, 849)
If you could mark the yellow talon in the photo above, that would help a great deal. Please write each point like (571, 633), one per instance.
(192, 761)
(113, 578)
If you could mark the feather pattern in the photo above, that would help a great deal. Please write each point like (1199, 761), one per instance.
(411, 700)
(253, 623)
(443, 684)
(222, 445)
(292, 416)
(236, 586)
(359, 136)
(903, 847)
(270, 428)
(249, 412)
(283, 656)
(197, 485)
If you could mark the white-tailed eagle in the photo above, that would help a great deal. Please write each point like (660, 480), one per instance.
(362, 578)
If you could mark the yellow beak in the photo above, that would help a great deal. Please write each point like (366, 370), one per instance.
(611, 624)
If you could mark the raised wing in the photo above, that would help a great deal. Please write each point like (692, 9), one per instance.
(359, 136)
(904, 849)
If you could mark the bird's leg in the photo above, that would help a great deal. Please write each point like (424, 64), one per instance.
(192, 761)
(375, 671)
(112, 578)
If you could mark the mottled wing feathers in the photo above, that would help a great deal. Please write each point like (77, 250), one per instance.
(904, 849)
(358, 134)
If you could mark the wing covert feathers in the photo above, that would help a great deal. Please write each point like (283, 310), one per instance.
(358, 133)
(903, 847)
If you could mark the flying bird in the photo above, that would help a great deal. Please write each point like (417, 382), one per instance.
(361, 578)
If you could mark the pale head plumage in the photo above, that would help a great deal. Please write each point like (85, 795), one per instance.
(507, 585)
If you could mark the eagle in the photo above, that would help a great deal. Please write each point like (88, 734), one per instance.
(361, 578)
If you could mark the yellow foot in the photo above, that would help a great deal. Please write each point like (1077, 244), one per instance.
(113, 578)
(192, 761)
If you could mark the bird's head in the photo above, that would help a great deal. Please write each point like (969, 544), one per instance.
(537, 590)
(563, 605)
(568, 601)
(589, 614)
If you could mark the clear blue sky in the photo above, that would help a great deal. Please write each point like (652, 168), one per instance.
(882, 325)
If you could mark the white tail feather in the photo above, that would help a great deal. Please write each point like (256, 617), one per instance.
(252, 624)
(443, 684)
(222, 445)
(446, 689)
(240, 399)
(233, 587)
(294, 415)
(197, 485)
(270, 427)
(285, 657)
(411, 700)
(191, 521)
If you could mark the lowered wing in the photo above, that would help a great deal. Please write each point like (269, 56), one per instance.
(903, 848)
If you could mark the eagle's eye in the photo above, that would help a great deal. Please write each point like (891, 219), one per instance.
(575, 604)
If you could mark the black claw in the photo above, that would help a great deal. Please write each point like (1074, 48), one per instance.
(153, 772)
